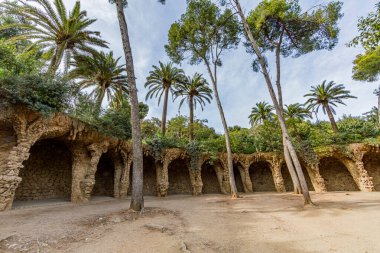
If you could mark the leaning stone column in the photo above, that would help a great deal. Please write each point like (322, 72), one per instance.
(226, 187)
(220, 175)
(316, 178)
(364, 180)
(84, 169)
(275, 166)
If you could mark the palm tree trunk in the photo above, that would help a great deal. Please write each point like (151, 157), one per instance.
(378, 107)
(56, 60)
(230, 164)
(292, 152)
(191, 119)
(164, 111)
(99, 101)
(137, 201)
(331, 118)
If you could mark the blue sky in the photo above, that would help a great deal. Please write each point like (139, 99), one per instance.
(239, 87)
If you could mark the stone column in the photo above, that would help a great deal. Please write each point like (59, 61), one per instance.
(226, 187)
(220, 175)
(275, 166)
(316, 178)
(124, 180)
(27, 135)
(162, 178)
(364, 181)
(244, 173)
(196, 178)
(85, 163)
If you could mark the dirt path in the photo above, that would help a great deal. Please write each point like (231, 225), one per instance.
(342, 222)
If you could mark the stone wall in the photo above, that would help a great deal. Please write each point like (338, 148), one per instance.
(336, 175)
(47, 172)
(261, 176)
(150, 174)
(372, 165)
(179, 179)
(210, 179)
(104, 177)
(57, 156)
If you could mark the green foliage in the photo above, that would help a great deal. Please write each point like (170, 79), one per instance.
(327, 95)
(116, 122)
(267, 137)
(260, 113)
(282, 23)
(201, 29)
(367, 66)
(40, 93)
(159, 142)
(52, 28)
(103, 73)
(13, 62)
(195, 151)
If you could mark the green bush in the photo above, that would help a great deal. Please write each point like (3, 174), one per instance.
(40, 93)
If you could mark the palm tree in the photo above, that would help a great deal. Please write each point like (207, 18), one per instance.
(102, 71)
(297, 111)
(195, 91)
(60, 33)
(328, 96)
(260, 113)
(161, 81)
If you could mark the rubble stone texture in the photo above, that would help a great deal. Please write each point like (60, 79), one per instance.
(61, 157)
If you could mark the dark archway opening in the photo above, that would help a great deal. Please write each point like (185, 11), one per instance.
(47, 173)
(150, 176)
(179, 178)
(104, 177)
(209, 179)
(261, 177)
(238, 180)
(372, 165)
(336, 175)
(288, 180)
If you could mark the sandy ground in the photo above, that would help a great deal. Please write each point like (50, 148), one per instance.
(264, 222)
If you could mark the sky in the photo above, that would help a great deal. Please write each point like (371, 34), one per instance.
(239, 87)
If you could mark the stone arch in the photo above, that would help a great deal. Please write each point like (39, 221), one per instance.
(47, 173)
(337, 175)
(238, 177)
(104, 176)
(8, 139)
(261, 177)
(150, 176)
(288, 180)
(179, 178)
(371, 162)
(210, 179)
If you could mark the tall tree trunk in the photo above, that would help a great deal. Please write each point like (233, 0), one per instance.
(137, 201)
(378, 106)
(292, 152)
(230, 163)
(164, 111)
(191, 119)
(56, 59)
(99, 101)
(331, 118)
(288, 159)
